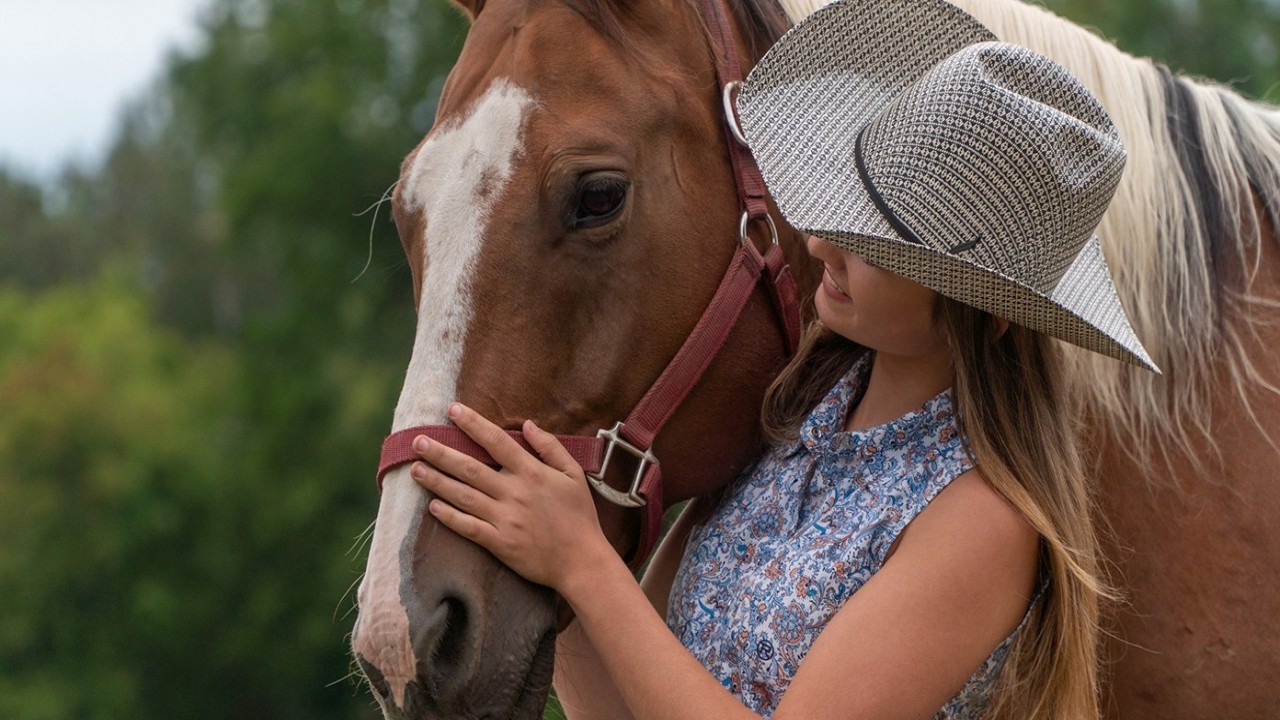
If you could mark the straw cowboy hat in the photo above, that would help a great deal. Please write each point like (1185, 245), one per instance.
(902, 131)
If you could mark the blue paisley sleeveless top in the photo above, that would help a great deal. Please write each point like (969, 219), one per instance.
(800, 532)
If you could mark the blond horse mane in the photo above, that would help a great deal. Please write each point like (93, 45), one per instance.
(1183, 236)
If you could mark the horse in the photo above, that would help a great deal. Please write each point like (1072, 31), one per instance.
(568, 217)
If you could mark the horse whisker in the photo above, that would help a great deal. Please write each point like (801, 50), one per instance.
(361, 540)
(386, 196)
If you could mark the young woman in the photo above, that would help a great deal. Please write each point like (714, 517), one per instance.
(917, 541)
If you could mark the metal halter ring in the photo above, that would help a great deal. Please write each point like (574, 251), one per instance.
(731, 115)
(632, 497)
(746, 220)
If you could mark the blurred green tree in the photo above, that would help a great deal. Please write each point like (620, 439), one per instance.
(1236, 42)
(39, 248)
(152, 568)
(113, 474)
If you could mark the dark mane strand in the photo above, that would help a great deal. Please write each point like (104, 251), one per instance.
(762, 22)
(1263, 172)
(1210, 219)
(1214, 235)
(603, 15)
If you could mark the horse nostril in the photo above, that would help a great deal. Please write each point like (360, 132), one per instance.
(444, 647)
(449, 649)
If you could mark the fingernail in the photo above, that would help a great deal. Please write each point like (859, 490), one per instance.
(455, 410)
(435, 507)
(420, 443)
(418, 470)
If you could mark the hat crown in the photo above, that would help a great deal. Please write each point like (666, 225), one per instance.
(996, 154)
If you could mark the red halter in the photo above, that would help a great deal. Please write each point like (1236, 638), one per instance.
(635, 434)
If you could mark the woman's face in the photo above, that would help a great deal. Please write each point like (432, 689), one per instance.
(874, 307)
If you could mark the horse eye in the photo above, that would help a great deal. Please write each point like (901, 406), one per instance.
(600, 199)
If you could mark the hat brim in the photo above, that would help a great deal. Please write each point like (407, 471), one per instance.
(1080, 310)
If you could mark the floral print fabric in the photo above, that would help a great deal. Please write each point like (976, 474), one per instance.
(800, 532)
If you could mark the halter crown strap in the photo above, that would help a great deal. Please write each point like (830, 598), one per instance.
(751, 188)
(752, 192)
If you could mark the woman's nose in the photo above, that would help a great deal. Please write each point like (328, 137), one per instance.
(819, 248)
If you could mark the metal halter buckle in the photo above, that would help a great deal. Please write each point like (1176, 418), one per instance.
(745, 221)
(645, 458)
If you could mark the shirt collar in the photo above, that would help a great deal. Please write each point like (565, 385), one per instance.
(822, 432)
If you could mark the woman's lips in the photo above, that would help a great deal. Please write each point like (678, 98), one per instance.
(833, 291)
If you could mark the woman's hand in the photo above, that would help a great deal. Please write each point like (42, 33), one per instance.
(536, 516)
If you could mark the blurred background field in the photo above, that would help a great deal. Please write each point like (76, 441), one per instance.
(203, 329)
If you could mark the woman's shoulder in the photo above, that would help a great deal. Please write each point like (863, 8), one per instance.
(970, 501)
(973, 525)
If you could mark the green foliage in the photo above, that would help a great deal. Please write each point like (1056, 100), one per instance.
(157, 563)
(37, 249)
(1231, 41)
(553, 710)
(109, 460)
(303, 111)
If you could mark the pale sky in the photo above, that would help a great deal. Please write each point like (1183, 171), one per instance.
(68, 66)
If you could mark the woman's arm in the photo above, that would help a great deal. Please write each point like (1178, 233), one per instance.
(957, 584)
(583, 685)
(959, 581)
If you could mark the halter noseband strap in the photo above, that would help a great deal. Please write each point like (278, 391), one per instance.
(635, 434)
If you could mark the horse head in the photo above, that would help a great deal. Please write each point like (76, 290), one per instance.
(567, 220)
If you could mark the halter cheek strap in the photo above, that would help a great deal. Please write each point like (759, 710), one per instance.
(635, 435)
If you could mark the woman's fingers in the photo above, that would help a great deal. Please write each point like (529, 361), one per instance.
(459, 465)
(501, 446)
(470, 527)
(460, 495)
(527, 513)
(550, 449)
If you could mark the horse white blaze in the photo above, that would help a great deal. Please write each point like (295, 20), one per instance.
(454, 180)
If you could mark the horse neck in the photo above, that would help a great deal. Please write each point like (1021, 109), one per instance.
(758, 24)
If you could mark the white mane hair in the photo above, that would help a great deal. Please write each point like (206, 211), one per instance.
(1183, 237)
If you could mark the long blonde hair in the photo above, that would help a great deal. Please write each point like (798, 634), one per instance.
(1020, 426)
